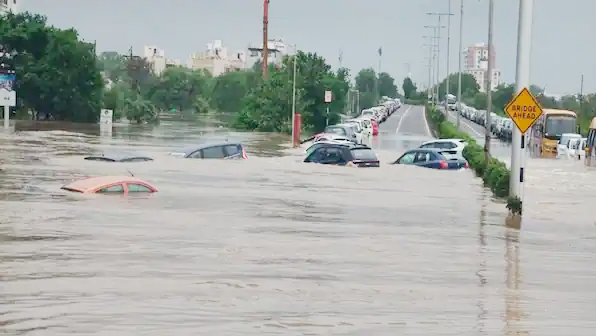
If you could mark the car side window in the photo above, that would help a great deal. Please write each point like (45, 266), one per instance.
(232, 150)
(196, 155)
(422, 157)
(113, 189)
(333, 155)
(428, 145)
(407, 158)
(318, 155)
(215, 152)
(133, 187)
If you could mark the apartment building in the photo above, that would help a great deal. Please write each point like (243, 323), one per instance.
(277, 49)
(217, 59)
(476, 64)
(9, 5)
(158, 60)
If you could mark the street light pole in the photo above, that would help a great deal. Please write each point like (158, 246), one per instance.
(522, 80)
(489, 85)
(449, 14)
(294, 93)
(460, 49)
(437, 36)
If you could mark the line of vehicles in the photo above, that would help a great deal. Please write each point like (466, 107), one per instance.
(500, 127)
(340, 144)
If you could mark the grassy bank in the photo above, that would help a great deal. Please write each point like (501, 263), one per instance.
(495, 175)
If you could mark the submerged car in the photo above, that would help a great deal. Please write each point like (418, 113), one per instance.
(110, 185)
(432, 158)
(226, 150)
(117, 157)
(344, 155)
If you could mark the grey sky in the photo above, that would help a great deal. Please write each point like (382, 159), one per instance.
(560, 53)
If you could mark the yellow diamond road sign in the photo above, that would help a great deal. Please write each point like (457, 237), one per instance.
(524, 110)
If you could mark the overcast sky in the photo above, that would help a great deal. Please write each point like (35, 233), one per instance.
(561, 50)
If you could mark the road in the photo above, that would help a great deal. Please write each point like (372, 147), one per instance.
(500, 149)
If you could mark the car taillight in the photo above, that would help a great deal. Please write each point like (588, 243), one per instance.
(244, 156)
(444, 165)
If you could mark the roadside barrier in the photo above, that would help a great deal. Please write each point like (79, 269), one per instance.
(495, 175)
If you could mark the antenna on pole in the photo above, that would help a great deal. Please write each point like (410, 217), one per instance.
(341, 58)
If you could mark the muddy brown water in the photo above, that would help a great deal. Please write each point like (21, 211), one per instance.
(272, 246)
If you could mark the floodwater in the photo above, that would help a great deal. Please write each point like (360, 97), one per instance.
(272, 246)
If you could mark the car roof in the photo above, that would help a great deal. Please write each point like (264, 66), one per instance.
(436, 150)
(444, 140)
(96, 182)
(116, 156)
(332, 142)
(191, 149)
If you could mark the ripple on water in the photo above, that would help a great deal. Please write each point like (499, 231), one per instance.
(274, 246)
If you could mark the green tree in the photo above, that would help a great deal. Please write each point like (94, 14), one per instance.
(409, 88)
(180, 89)
(387, 85)
(366, 84)
(57, 74)
(268, 106)
(230, 90)
(469, 86)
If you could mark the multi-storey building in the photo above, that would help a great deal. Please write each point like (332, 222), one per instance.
(476, 64)
(216, 59)
(9, 5)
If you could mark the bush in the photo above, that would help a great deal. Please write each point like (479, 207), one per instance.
(495, 175)
(414, 102)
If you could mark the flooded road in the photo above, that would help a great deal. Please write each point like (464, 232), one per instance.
(272, 246)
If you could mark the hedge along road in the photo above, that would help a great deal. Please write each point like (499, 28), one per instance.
(273, 245)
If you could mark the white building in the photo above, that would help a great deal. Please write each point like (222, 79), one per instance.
(217, 60)
(481, 76)
(9, 5)
(277, 49)
(158, 60)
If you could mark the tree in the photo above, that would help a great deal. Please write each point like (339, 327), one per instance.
(469, 86)
(230, 90)
(387, 85)
(366, 84)
(268, 105)
(409, 88)
(57, 74)
(179, 89)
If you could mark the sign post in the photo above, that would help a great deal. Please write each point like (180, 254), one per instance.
(523, 110)
(106, 118)
(328, 100)
(8, 95)
(522, 82)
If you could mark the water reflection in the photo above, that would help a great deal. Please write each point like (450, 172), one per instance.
(481, 272)
(513, 301)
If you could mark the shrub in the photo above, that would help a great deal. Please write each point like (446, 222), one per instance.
(495, 174)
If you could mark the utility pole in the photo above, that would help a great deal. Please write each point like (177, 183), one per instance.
(341, 58)
(265, 64)
(581, 102)
(460, 52)
(489, 82)
(431, 57)
(379, 75)
(437, 37)
(294, 92)
(522, 80)
(449, 14)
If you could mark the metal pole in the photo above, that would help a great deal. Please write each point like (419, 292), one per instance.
(581, 103)
(430, 69)
(358, 102)
(294, 94)
(6, 116)
(489, 87)
(439, 61)
(448, 47)
(522, 80)
(327, 117)
(265, 64)
(461, 37)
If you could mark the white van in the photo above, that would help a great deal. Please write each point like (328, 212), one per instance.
(563, 145)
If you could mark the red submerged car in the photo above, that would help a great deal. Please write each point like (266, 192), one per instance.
(110, 185)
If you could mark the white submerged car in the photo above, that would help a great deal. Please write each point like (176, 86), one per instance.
(453, 147)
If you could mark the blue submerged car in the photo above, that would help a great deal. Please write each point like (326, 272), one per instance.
(432, 158)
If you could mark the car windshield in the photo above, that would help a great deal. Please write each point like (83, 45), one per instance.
(336, 130)
(567, 137)
(558, 125)
(364, 154)
(312, 148)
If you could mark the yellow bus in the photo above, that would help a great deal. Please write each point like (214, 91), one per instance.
(547, 131)
(590, 149)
